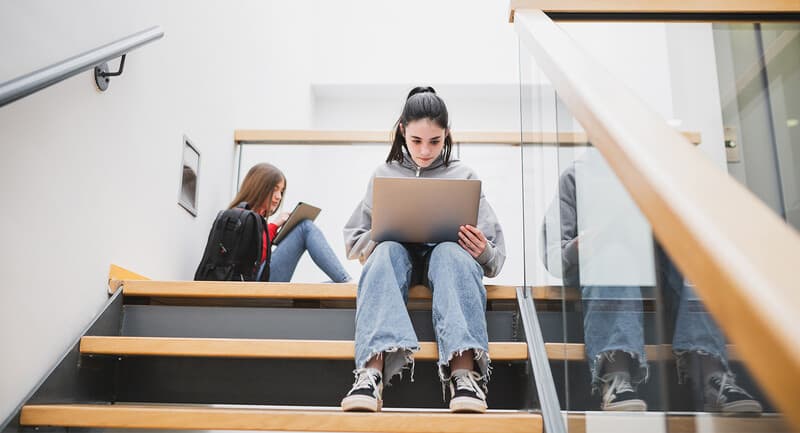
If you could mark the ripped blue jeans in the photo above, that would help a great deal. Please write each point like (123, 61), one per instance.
(613, 322)
(305, 236)
(383, 326)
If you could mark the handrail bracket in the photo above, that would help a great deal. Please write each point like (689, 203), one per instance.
(101, 74)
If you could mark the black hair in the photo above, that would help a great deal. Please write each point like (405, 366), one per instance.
(421, 103)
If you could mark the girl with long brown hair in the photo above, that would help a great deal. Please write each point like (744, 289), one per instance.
(263, 188)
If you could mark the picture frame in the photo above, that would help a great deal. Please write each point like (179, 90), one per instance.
(190, 172)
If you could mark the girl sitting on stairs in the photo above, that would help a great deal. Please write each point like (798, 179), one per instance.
(265, 185)
(385, 341)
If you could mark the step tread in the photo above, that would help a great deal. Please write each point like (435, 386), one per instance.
(686, 422)
(332, 291)
(317, 349)
(262, 348)
(333, 420)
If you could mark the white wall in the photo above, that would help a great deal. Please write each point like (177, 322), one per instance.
(92, 178)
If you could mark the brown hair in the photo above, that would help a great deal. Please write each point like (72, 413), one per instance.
(421, 103)
(259, 185)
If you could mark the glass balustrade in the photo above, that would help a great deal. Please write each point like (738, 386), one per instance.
(632, 346)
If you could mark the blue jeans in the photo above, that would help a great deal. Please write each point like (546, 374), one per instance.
(305, 236)
(612, 322)
(383, 326)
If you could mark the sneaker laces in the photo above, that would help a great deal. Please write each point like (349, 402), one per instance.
(466, 380)
(365, 379)
(619, 383)
(727, 383)
(463, 382)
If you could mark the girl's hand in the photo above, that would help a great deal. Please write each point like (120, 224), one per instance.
(472, 239)
(281, 218)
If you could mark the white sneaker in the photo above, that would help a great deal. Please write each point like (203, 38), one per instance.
(466, 393)
(365, 395)
(619, 395)
(723, 395)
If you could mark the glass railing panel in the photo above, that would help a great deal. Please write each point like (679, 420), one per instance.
(759, 83)
(755, 70)
(543, 267)
(705, 80)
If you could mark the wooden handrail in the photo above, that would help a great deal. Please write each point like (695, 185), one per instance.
(656, 7)
(266, 136)
(736, 251)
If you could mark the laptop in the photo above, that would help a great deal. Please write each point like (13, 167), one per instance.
(420, 210)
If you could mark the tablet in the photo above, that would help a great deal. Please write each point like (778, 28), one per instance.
(420, 210)
(303, 211)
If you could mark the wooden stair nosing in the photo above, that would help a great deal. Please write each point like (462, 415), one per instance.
(234, 289)
(187, 417)
(683, 422)
(318, 349)
(255, 348)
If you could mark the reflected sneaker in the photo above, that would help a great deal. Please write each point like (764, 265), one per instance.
(466, 392)
(618, 394)
(723, 395)
(365, 396)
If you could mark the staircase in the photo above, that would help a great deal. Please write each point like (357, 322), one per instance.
(262, 356)
(277, 356)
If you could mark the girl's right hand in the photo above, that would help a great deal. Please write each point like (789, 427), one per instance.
(472, 240)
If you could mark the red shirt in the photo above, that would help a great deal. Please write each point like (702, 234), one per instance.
(272, 229)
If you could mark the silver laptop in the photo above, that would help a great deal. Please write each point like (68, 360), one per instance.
(419, 210)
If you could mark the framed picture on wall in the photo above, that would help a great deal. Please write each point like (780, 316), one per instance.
(187, 195)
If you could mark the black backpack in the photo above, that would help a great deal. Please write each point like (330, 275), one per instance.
(233, 251)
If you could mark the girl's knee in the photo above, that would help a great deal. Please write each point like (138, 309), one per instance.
(306, 225)
(389, 249)
(450, 255)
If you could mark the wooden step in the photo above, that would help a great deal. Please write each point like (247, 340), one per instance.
(318, 349)
(251, 290)
(255, 348)
(227, 418)
(687, 422)
(315, 291)
(577, 352)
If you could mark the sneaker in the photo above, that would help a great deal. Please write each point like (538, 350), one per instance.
(618, 394)
(365, 396)
(467, 394)
(723, 395)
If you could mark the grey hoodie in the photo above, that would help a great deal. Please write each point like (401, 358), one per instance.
(357, 231)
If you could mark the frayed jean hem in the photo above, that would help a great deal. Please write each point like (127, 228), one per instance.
(395, 360)
(481, 358)
(683, 361)
(597, 364)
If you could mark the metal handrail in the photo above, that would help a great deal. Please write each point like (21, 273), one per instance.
(545, 386)
(27, 84)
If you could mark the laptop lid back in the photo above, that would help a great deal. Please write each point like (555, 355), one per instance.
(422, 210)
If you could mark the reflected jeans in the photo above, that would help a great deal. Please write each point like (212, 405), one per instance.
(383, 326)
(613, 321)
(305, 236)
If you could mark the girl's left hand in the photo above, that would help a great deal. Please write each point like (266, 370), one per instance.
(281, 219)
(472, 239)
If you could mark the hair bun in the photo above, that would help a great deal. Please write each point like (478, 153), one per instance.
(420, 89)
